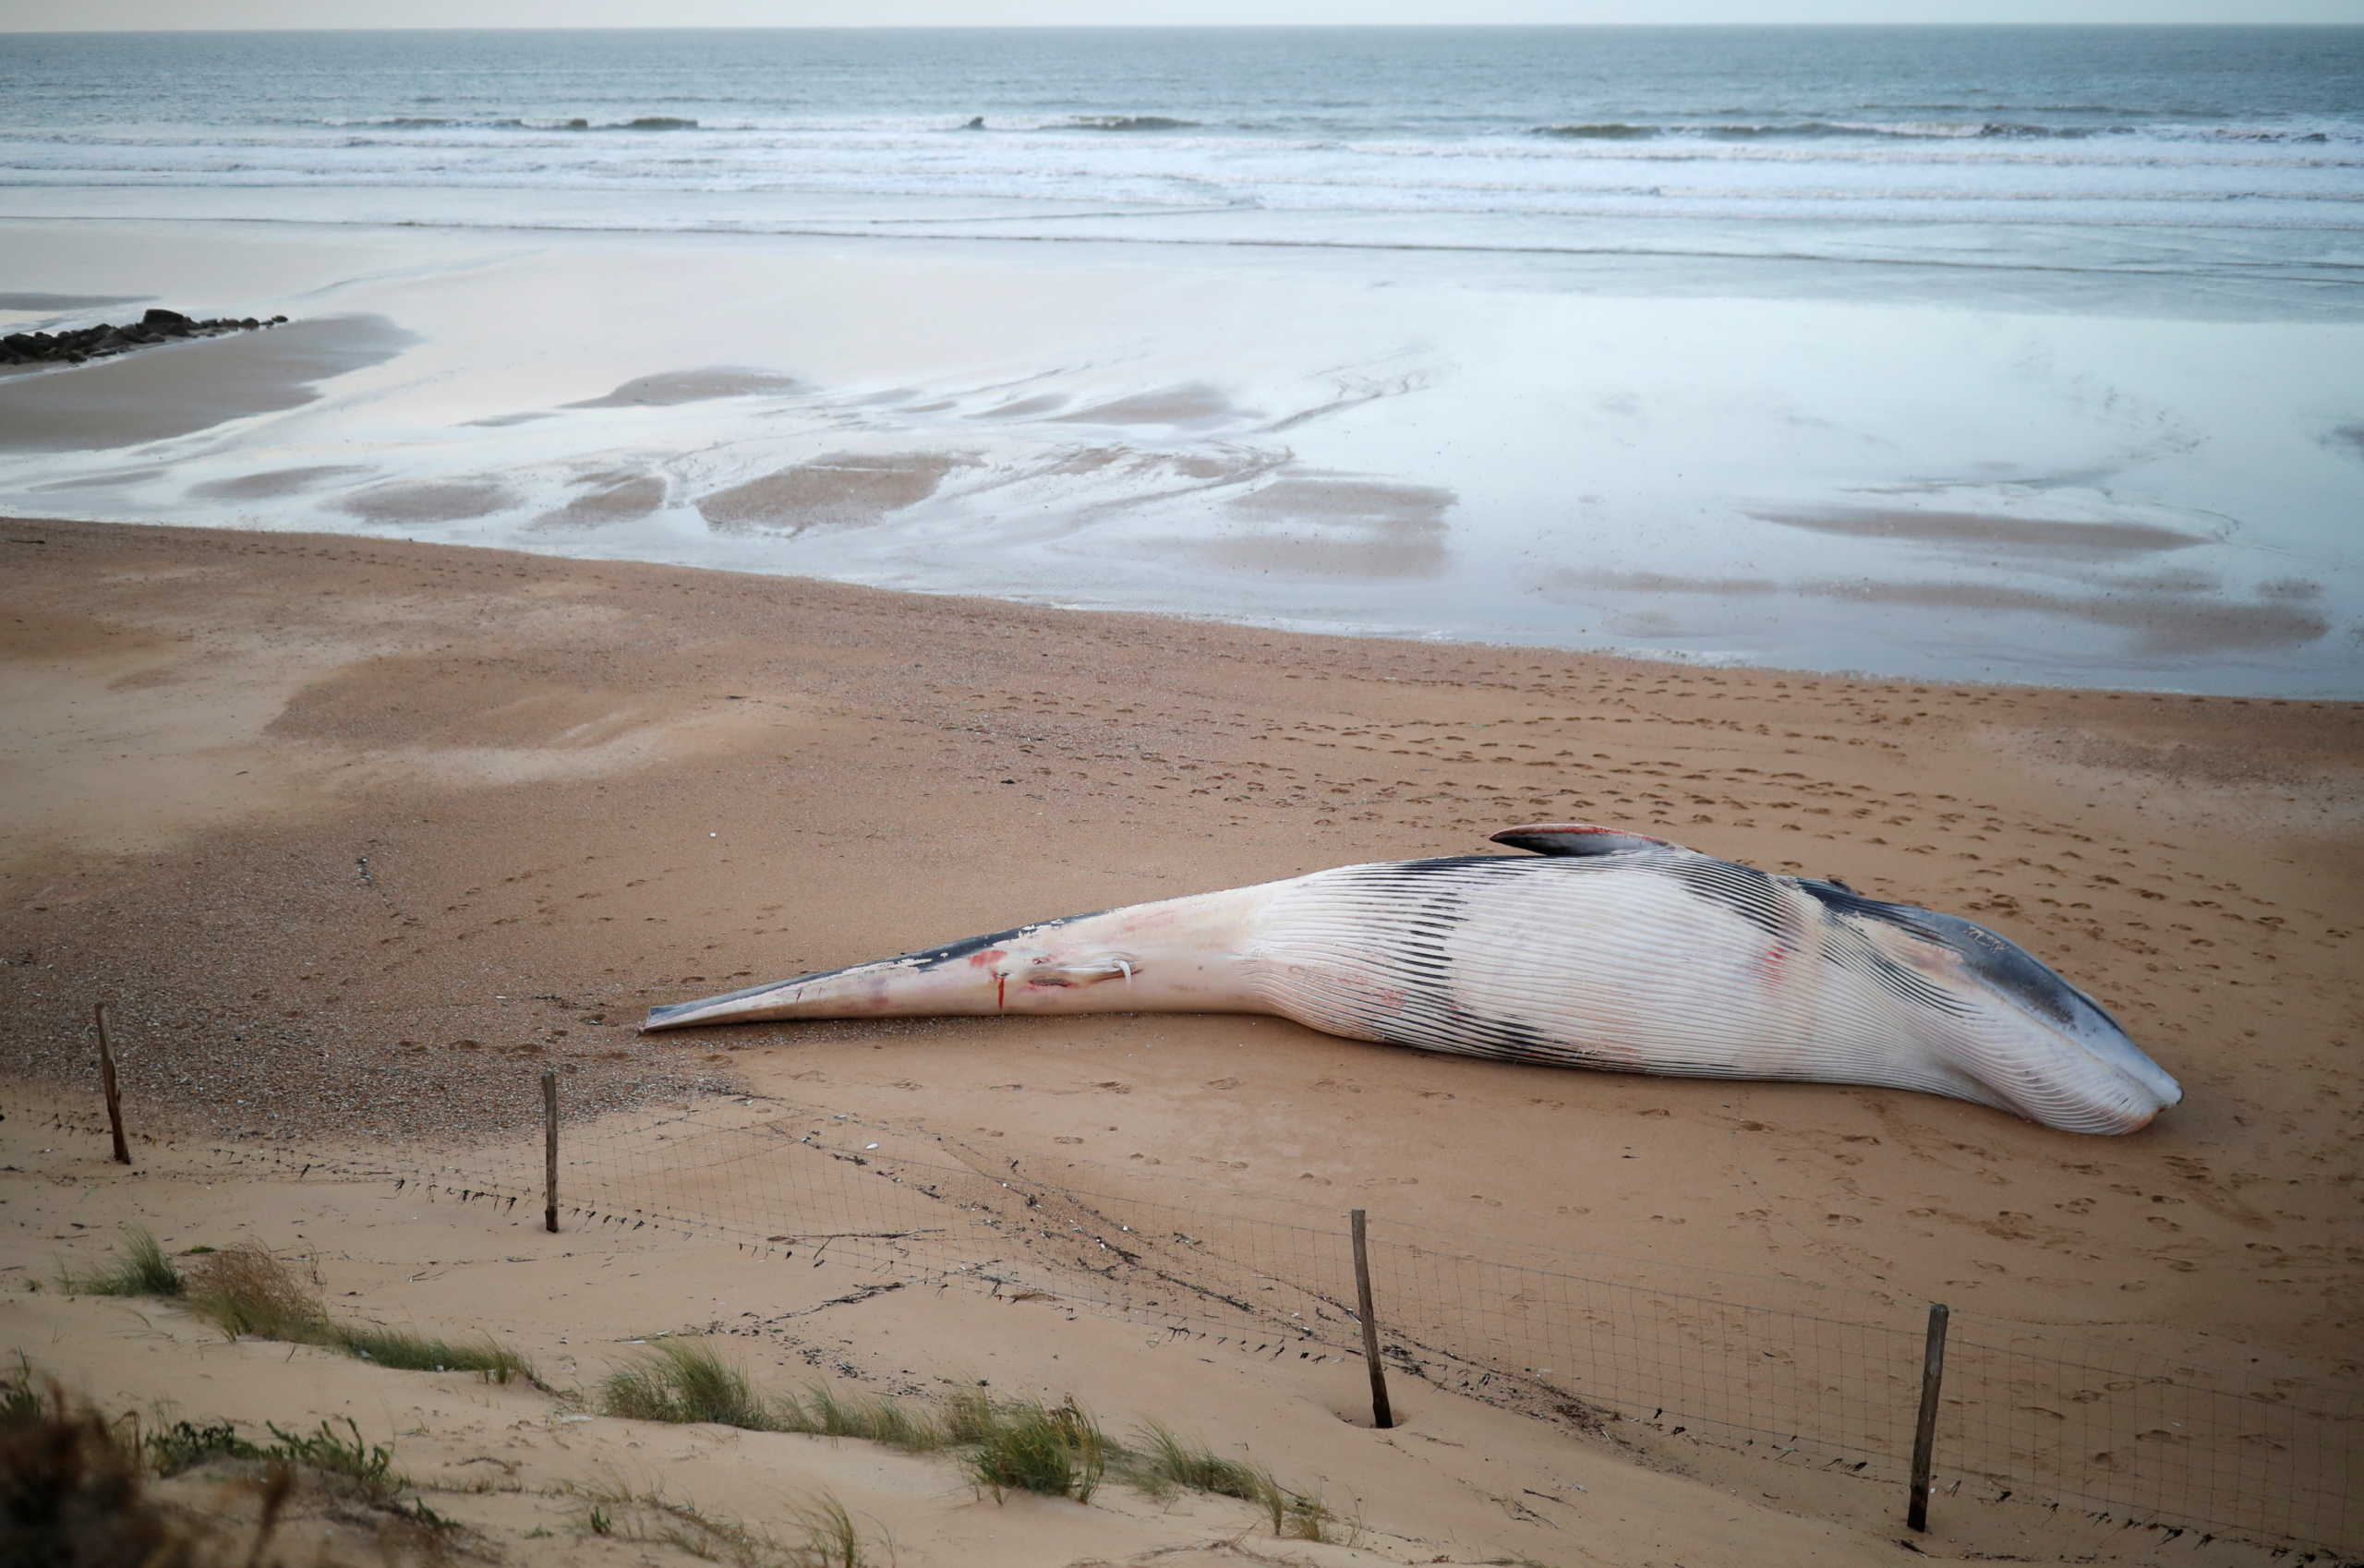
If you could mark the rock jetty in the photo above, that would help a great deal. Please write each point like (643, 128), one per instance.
(78, 343)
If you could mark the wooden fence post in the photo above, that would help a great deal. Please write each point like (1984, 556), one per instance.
(1925, 1432)
(1381, 1416)
(550, 1150)
(107, 1086)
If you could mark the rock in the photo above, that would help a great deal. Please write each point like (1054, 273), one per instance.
(76, 345)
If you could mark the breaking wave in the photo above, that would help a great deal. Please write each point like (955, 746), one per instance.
(1928, 130)
(575, 123)
(1130, 123)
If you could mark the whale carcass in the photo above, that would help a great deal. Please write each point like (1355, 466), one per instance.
(1605, 949)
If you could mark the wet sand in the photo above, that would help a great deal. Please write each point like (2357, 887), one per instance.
(156, 393)
(1314, 442)
(355, 835)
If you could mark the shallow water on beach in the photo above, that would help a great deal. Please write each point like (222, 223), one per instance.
(1999, 353)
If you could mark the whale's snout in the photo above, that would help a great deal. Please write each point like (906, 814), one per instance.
(2053, 1053)
(753, 1003)
(2121, 1090)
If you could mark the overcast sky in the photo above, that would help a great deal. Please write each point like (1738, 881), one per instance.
(95, 15)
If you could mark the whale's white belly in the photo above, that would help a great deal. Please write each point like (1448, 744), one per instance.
(1586, 963)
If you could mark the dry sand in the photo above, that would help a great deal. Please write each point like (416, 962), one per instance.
(343, 828)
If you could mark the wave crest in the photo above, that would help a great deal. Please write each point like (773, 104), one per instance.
(1130, 123)
(1918, 130)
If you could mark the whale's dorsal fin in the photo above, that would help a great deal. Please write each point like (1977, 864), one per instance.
(1583, 839)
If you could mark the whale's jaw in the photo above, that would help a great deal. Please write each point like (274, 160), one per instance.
(1181, 955)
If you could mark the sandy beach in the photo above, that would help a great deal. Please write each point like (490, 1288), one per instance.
(354, 836)
(698, 505)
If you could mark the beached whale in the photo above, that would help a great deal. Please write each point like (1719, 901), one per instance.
(1612, 950)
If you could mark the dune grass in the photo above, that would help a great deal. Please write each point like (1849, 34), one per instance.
(249, 1292)
(184, 1445)
(830, 1537)
(1298, 1516)
(407, 1352)
(1159, 1462)
(20, 1401)
(74, 1495)
(1056, 1450)
(825, 1413)
(687, 1381)
(1011, 1445)
(141, 1269)
(1005, 1446)
(74, 1489)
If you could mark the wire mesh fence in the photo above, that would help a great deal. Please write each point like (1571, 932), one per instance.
(2279, 1460)
(1779, 1367)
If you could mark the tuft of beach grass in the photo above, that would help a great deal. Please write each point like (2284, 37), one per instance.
(141, 1269)
(826, 1413)
(249, 1292)
(830, 1538)
(1056, 1450)
(1005, 1445)
(405, 1351)
(1159, 1462)
(683, 1381)
(74, 1490)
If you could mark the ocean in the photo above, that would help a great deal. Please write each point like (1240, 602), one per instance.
(2211, 168)
(2017, 354)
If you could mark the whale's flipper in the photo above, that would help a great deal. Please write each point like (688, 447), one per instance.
(1583, 839)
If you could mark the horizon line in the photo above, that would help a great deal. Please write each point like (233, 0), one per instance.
(1152, 27)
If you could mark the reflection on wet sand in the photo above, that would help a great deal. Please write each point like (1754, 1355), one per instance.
(20, 301)
(1022, 408)
(669, 388)
(1338, 527)
(2160, 622)
(1987, 530)
(614, 497)
(113, 478)
(845, 489)
(273, 482)
(187, 387)
(446, 501)
(1186, 403)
